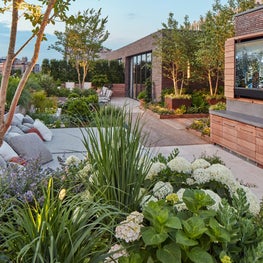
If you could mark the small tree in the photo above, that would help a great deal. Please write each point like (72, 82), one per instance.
(216, 28)
(39, 16)
(81, 42)
(176, 49)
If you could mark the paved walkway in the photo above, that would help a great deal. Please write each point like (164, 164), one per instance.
(164, 136)
(168, 134)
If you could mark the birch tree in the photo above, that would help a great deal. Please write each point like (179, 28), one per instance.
(39, 15)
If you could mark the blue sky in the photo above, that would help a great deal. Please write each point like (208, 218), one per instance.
(128, 21)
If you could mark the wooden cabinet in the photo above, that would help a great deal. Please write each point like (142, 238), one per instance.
(239, 137)
(259, 145)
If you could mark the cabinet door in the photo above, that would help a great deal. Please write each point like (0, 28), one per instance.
(216, 131)
(259, 145)
(246, 140)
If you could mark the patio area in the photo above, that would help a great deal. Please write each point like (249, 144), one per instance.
(164, 136)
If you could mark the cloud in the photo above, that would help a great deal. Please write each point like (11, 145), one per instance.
(131, 16)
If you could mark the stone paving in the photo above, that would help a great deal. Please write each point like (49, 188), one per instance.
(164, 136)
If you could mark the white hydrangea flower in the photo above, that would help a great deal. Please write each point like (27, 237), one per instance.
(254, 204)
(118, 252)
(85, 170)
(180, 165)
(215, 197)
(128, 231)
(156, 168)
(200, 163)
(162, 189)
(181, 206)
(146, 199)
(72, 160)
(136, 217)
(222, 174)
(190, 181)
(201, 176)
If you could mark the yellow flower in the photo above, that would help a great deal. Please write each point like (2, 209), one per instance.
(226, 259)
(62, 194)
(173, 198)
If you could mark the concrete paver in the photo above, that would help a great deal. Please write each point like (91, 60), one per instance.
(164, 136)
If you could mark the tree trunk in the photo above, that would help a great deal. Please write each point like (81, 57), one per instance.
(210, 82)
(4, 124)
(217, 82)
(78, 72)
(7, 69)
(85, 72)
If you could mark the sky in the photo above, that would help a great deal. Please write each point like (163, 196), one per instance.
(128, 21)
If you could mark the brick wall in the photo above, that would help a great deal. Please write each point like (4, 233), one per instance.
(143, 45)
(118, 90)
(249, 22)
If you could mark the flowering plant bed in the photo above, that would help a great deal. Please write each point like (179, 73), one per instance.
(122, 204)
(174, 116)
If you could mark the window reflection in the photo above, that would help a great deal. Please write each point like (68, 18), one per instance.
(249, 64)
(141, 70)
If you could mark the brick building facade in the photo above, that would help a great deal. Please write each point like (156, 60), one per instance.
(127, 54)
(240, 127)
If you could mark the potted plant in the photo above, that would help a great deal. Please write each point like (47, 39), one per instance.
(173, 101)
(214, 99)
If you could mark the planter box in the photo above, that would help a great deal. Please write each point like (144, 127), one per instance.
(177, 116)
(215, 101)
(176, 103)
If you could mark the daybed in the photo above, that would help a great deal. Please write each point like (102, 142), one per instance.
(24, 141)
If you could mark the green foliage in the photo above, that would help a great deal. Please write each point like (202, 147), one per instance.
(61, 70)
(199, 104)
(113, 70)
(80, 109)
(115, 147)
(176, 47)
(99, 80)
(82, 41)
(63, 229)
(142, 95)
(165, 92)
(218, 106)
(201, 125)
(25, 97)
(42, 103)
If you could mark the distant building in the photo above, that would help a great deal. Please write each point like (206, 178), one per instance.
(18, 65)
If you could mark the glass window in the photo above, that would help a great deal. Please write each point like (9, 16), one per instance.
(249, 68)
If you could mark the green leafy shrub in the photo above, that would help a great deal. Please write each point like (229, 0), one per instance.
(218, 106)
(42, 103)
(194, 212)
(80, 109)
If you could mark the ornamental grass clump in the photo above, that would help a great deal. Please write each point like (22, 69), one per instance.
(120, 161)
(64, 229)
